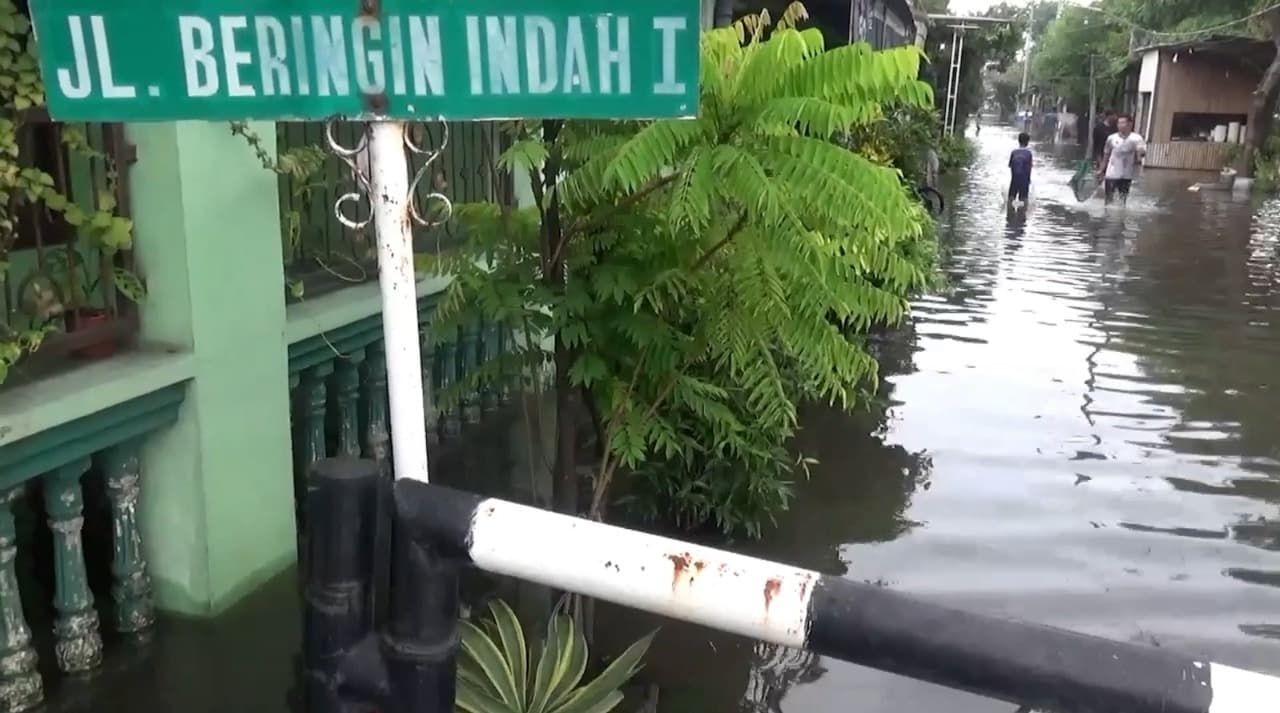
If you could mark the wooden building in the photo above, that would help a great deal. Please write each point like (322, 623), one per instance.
(1190, 101)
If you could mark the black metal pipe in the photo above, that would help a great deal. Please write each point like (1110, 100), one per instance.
(421, 637)
(1021, 662)
(340, 499)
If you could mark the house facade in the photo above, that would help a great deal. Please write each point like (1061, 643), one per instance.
(1191, 101)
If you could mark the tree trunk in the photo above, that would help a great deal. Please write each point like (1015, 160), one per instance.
(565, 478)
(1263, 106)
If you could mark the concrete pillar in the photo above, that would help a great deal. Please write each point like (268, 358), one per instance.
(217, 494)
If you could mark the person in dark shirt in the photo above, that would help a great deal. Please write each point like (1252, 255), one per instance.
(1020, 170)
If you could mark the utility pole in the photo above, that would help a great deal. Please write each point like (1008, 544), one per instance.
(1023, 100)
(1026, 48)
(1093, 102)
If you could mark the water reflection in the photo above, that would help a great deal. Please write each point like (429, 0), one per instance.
(1080, 431)
(774, 670)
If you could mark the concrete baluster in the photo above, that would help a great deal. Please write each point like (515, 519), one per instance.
(20, 684)
(468, 344)
(377, 432)
(78, 645)
(131, 586)
(348, 400)
(447, 368)
(429, 387)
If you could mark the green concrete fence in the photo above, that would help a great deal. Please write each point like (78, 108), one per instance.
(338, 382)
(58, 466)
(185, 432)
(338, 388)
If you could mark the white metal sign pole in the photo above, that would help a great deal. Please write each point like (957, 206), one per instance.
(389, 202)
(380, 169)
(392, 207)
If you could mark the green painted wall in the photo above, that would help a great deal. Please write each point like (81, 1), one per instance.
(217, 506)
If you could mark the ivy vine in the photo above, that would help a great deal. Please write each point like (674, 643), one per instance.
(63, 280)
(302, 166)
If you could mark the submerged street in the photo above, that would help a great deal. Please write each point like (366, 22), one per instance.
(1081, 431)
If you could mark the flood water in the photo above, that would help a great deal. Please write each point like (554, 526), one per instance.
(1082, 430)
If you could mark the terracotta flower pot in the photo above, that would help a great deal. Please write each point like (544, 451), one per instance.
(86, 318)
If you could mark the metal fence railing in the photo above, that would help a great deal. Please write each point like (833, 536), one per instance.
(321, 253)
(407, 662)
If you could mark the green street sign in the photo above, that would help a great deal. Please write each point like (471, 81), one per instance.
(142, 60)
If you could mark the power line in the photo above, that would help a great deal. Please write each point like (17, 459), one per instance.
(1203, 30)
(1186, 33)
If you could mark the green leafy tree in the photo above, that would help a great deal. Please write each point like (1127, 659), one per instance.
(1061, 62)
(988, 47)
(1030, 22)
(900, 136)
(686, 282)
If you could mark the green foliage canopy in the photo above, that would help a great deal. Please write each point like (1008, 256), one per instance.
(993, 47)
(700, 277)
(1109, 28)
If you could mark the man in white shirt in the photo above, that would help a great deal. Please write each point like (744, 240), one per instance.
(1121, 155)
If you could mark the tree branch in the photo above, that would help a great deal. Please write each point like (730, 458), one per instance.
(584, 225)
(733, 232)
(606, 468)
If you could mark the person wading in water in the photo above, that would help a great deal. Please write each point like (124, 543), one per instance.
(1121, 155)
(1020, 161)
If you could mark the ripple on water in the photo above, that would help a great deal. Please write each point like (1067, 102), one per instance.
(1080, 430)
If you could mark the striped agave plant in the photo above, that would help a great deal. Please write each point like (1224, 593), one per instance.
(498, 672)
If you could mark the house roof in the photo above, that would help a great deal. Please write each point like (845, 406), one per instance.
(1254, 53)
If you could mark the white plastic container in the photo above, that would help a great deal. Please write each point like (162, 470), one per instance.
(1233, 132)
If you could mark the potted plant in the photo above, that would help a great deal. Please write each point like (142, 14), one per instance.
(105, 233)
(58, 295)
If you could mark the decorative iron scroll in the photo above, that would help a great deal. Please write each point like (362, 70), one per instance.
(358, 160)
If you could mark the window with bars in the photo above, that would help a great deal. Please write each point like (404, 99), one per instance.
(52, 276)
(321, 254)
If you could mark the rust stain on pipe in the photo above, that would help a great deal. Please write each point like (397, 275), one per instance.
(679, 565)
(772, 586)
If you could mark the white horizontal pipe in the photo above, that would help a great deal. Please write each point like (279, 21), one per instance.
(744, 595)
(1236, 690)
(1021, 662)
